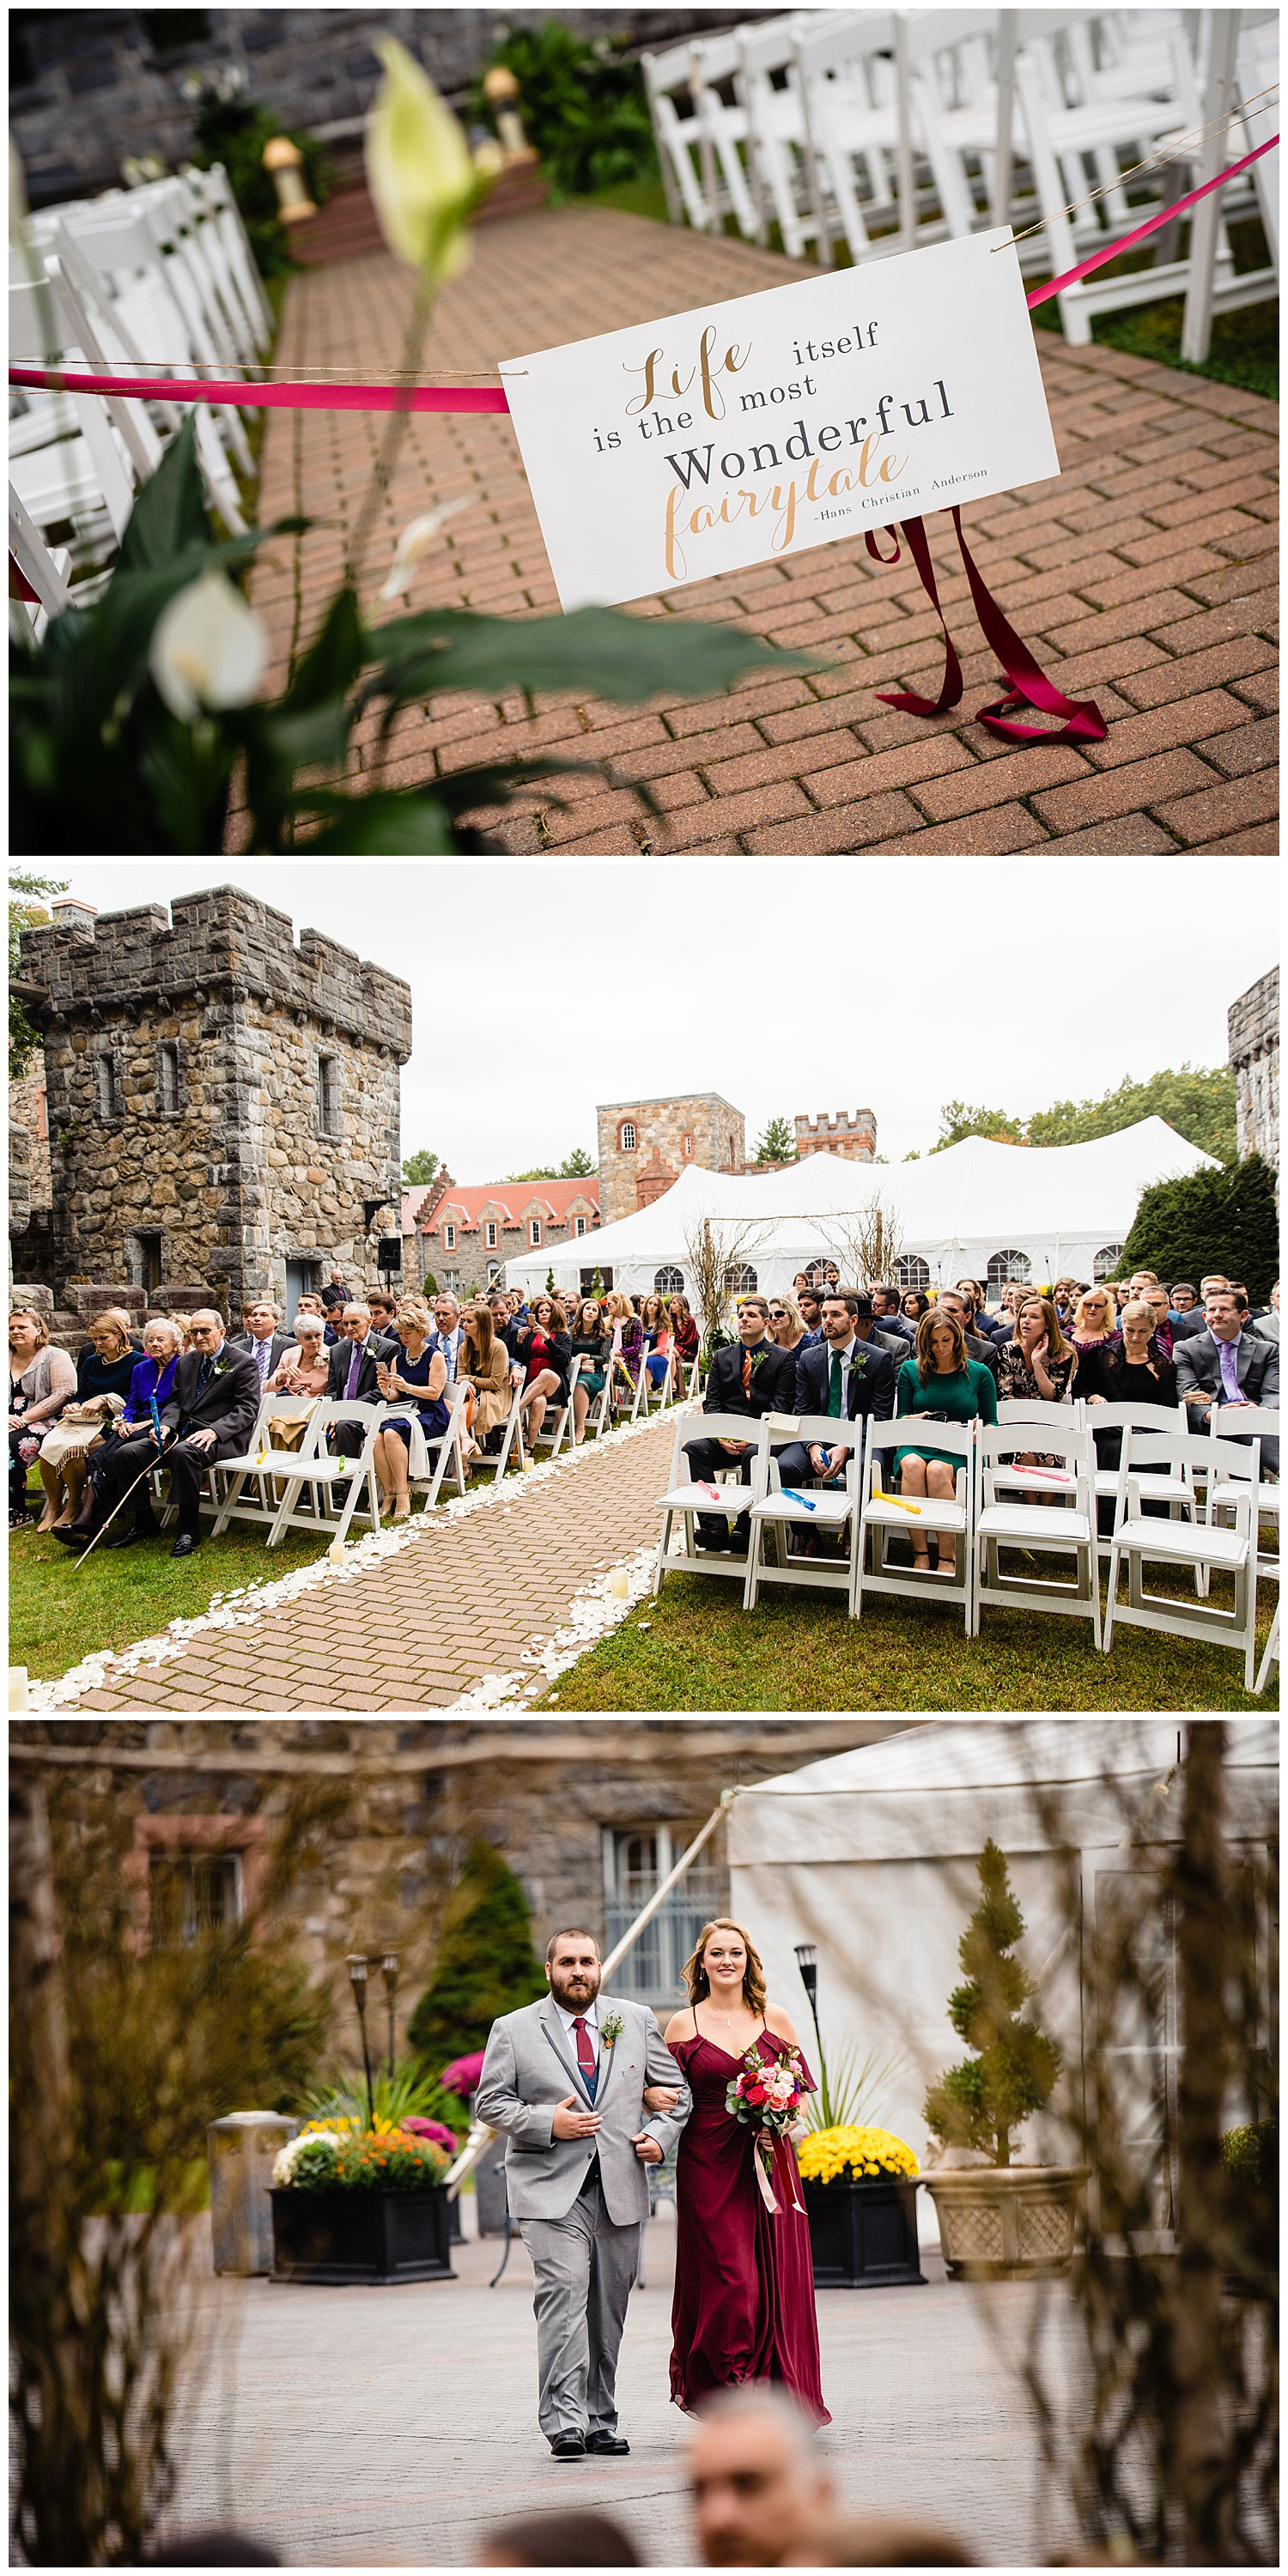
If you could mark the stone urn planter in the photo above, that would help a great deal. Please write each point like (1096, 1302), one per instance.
(1002, 2221)
(863, 2235)
(341, 2236)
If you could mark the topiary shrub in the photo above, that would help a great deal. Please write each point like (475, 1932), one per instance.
(1013, 2072)
(234, 130)
(1224, 1220)
(485, 1964)
(583, 105)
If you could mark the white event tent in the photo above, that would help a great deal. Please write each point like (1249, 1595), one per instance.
(870, 1855)
(1057, 1207)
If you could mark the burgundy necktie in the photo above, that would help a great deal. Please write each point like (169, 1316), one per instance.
(585, 2050)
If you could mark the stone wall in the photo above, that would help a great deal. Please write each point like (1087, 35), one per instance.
(716, 1141)
(89, 87)
(379, 1873)
(1253, 1023)
(855, 1137)
(28, 1106)
(183, 1058)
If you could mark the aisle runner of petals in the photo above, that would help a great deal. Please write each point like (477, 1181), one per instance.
(245, 1607)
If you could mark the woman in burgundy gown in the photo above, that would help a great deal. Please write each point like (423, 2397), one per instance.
(744, 2281)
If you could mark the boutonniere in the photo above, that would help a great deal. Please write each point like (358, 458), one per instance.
(759, 1357)
(856, 1366)
(610, 2030)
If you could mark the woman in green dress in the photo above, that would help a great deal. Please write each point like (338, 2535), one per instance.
(944, 1385)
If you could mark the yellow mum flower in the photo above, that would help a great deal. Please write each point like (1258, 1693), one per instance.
(832, 2155)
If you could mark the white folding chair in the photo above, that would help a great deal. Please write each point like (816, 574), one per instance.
(777, 169)
(597, 1416)
(84, 478)
(212, 190)
(1271, 1655)
(259, 1466)
(667, 83)
(493, 1462)
(245, 322)
(1143, 1541)
(728, 1496)
(44, 572)
(722, 134)
(1232, 1423)
(1175, 1487)
(883, 1516)
(1055, 1527)
(648, 1397)
(324, 1475)
(814, 1510)
(444, 1447)
(857, 133)
(557, 1420)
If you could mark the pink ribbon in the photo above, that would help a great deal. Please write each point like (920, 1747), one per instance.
(1165, 215)
(285, 397)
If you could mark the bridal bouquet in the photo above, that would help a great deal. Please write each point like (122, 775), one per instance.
(767, 2098)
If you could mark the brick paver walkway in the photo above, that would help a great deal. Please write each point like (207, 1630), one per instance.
(1145, 575)
(425, 1625)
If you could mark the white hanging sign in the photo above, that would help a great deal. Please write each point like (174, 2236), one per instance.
(772, 423)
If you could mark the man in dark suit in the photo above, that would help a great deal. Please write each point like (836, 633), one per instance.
(261, 1334)
(352, 1369)
(979, 1346)
(755, 1378)
(210, 1413)
(890, 1317)
(1194, 1321)
(1227, 1363)
(843, 1375)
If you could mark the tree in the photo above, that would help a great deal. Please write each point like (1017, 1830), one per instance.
(957, 1121)
(26, 913)
(542, 1172)
(778, 1144)
(1225, 1220)
(577, 1166)
(713, 1253)
(1013, 2071)
(420, 1169)
(550, 1283)
(597, 1283)
(1198, 1100)
(485, 1964)
(866, 1242)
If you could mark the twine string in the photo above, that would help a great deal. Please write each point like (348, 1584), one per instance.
(1177, 147)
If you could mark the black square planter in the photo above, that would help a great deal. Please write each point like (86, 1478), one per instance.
(355, 2236)
(863, 2235)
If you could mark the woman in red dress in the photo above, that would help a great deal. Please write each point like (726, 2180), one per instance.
(744, 2281)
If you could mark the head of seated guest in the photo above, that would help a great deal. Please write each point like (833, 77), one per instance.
(1095, 1318)
(810, 1303)
(302, 1368)
(261, 1318)
(107, 1363)
(447, 1315)
(913, 1305)
(383, 1310)
(153, 1375)
(786, 1323)
(206, 1332)
(1185, 1297)
(571, 2539)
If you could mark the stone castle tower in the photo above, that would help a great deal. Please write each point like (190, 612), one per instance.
(644, 1145)
(855, 1137)
(1253, 1023)
(222, 1105)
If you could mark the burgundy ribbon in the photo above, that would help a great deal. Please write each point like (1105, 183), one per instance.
(1029, 685)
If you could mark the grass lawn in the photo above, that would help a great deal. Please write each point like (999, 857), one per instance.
(695, 1648)
(57, 1614)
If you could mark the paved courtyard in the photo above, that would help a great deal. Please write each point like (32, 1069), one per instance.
(463, 1600)
(1145, 575)
(394, 2427)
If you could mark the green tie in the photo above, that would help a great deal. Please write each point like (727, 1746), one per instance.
(834, 1388)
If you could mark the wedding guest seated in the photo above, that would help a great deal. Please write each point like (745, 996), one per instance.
(753, 1377)
(1185, 1298)
(979, 1319)
(420, 1372)
(183, 1327)
(810, 1302)
(1037, 1367)
(335, 1294)
(887, 1308)
(627, 1340)
(484, 1366)
(384, 1310)
(848, 1375)
(1196, 1321)
(1129, 1370)
(786, 1324)
(544, 1350)
(151, 1380)
(1064, 1298)
(1228, 1364)
(593, 1345)
(209, 1413)
(504, 1326)
(1159, 1302)
(686, 1340)
(913, 1305)
(41, 1381)
(1095, 1321)
(944, 1384)
(892, 1333)
(576, 2539)
(447, 1334)
(261, 1335)
(760, 2486)
(308, 1304)
(656, 1332)
(104, 1370)
(979, 1346)
(351, 1372)
(304, 1367)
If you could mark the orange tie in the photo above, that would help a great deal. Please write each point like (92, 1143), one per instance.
(746, 1372)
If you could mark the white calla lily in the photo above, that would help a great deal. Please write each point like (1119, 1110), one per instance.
(416, 539)
(422, 179)
(208, 649)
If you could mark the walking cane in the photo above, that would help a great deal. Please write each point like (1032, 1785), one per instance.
(119, 1507)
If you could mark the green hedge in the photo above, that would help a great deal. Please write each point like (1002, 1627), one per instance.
(1225, 1220)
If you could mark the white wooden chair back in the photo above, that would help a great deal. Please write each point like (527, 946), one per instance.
(814, 1511)
(883, 1515)
(1142, 1540)
(684, 1500)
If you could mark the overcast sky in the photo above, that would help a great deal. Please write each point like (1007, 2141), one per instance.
(542, 987)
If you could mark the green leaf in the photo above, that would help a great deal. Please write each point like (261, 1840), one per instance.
(334, 658)
(392, 823)
(598, 650)
(170, 512)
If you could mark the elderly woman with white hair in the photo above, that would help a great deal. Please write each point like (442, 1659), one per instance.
(151, 1379)
(303, 1368)
(104, 1373)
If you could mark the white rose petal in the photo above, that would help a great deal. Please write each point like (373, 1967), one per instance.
(415, 540)
(208, 649)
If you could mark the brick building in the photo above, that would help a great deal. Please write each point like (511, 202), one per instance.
(222, 1104)
(644, 1145)
(1253, 1023)
(464, 1237)
(589, 1815)
(855, 1137)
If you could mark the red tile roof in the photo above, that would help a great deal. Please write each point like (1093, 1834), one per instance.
(510, 1200)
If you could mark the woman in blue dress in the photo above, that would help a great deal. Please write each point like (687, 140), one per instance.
(418, 1372)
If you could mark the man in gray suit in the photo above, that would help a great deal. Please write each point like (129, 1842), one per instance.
(1228, 1364)
(569, 2079)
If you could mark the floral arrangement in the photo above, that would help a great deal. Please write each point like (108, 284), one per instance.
(854, 2155)
(343, 2155)
(767, 2097)
(462, 2076)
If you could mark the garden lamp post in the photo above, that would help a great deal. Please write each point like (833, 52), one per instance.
(501, 90)
(285, 160)
(389, 1971)
(357, 1967)
(807, 1962)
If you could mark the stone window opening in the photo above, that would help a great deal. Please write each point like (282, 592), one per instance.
(626, 1139)
(534, 1232)
(328, 1095)
(579, 1225)
(167, 1081)
(489, 1234)
(194, 1876)
(449, 1238)
(145, 1254)
(493, 1273)
(686, 1144)
(107, 1087)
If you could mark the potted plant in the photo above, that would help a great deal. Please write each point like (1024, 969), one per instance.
(861, 2201)
(995, 2216)
(357, 2204)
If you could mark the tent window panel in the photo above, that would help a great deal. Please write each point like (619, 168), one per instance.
(668, 1281)
(1105, 1265)
(1007, 1266)
(912, 1272)
(740, 1279)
